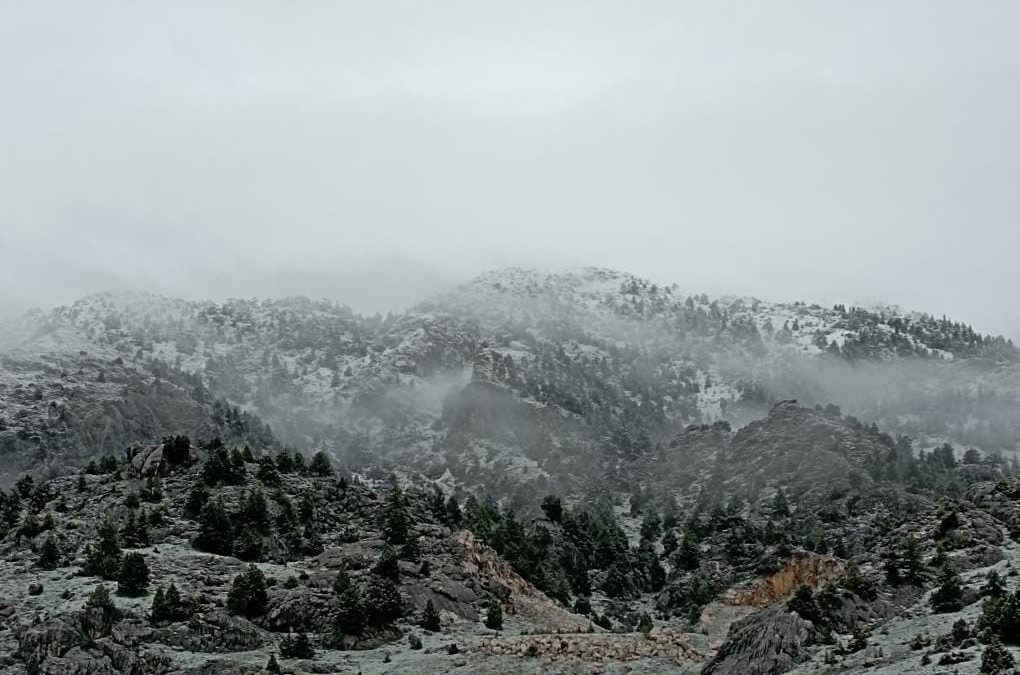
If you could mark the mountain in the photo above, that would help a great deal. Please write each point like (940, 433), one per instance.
(802, 542)
(520, 376)
(638, 479)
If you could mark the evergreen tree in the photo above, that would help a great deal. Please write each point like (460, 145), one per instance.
(582, 605)
(176, 450)
(687, 556)
(651, 526)
(167, 606)
(103, 559)
(994, 587)
(254, 512)
(248, 544)
(221, 469)
(342, 582)
(197, 498)
(669, 543)
(215, 529)
(388, 565)
(948, 597)
(133, 578)
(350, 611)
(298, 647)
(494, 616)
(396, 523)
(49, 554)
(99, 614)
(268, 473)
(284, 461)
(996, 659)
(272, 666)
(247, 596)
(645, 624)
(780, 505)
(857, 583)
(804, 604)
(453, 513)
(320, 465)
(382, 601)
(134, 533)
(619, 583)
(430, 618)
(552, 506)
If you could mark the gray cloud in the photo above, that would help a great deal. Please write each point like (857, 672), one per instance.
(377, 151)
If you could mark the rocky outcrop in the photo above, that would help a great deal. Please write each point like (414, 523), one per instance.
(212, 632)
(768, 642)
(519, 597)
(56, 647)
(811, 571)
(299, 609)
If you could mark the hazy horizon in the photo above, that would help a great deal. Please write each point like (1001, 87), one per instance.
(377, 153)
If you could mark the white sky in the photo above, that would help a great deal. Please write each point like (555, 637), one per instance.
(374, 151)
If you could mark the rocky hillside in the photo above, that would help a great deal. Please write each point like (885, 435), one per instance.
(518, 380)
(803, 542)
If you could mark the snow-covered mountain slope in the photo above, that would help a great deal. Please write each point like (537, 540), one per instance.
(519, 375)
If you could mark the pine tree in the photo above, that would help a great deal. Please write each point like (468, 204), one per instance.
(552, 506)
(133, 578)
(99, 614)
(996, 659)
(176, 608)
(430, 618)
(350, 611)
(669, 543)
(342, 582)
(382, 601)
(688, 555)
(857, 583)
(49, 554)
(268, 473)
(272, 666)
(298, 647)
(948, 597)
(215, 529)
(388, 565)
(103, 559)
(247, 596)
(494, 616)
(134, 533)
(158, 609)
(994, 586)
(780, 505)
(176, 450)
(254, 512)
(197, 498)
(396, 523)
(320, 465)
(453, 513)
(651, 526)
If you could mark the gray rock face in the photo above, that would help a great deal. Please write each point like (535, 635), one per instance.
(60, 648)
(300, 609)
(212, 632)
(768, 642)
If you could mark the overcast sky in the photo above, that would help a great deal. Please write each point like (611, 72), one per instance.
(374, 151)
